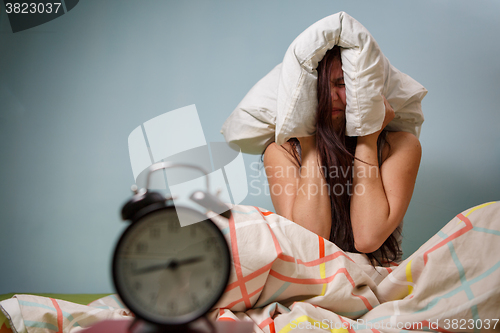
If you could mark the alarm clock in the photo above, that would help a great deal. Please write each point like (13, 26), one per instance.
(170, 275)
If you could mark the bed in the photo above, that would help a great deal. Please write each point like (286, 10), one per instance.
(82, 299)
(286, 278)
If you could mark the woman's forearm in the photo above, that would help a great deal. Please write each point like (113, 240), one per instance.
(311, 207)
(369, 205)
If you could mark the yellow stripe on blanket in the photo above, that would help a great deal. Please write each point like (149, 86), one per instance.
(322, 267)
(479, 207)
(301, 321)
(476, 208)
(409, 278)
(322, 273)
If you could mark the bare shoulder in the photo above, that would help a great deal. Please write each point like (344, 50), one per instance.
(402, 147)
(405, 138)
(404, 141)
(278, 155)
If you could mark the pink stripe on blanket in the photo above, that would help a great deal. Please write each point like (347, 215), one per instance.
(263, 213)
(286, 258)
(237, 263)
(59, 316)
(230, 305)
(266, 322)
(468, 226)
(347, 325)
(365, 301)
(312, 281)
(241, 280)
(277, 246)
(321, 243)
(323, 259)
(249, 277)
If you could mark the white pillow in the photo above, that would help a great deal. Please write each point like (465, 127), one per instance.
(367, 73)
(251, 126)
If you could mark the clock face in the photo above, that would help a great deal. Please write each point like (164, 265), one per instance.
(168, 274)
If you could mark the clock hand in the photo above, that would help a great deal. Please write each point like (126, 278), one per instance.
(151, 269)
(172, 264)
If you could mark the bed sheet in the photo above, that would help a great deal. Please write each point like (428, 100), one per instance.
(285, 278)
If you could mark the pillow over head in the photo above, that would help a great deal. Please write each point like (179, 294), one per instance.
(251, 126)
(277, 113)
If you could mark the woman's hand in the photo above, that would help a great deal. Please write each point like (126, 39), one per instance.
(389, 114)
(383, 193)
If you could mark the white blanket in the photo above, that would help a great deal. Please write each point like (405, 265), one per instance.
(286, 278)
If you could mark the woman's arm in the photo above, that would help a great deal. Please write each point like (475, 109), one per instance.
(299, 194)
(381, 195)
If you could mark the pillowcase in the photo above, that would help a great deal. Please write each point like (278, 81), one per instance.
(277, 113)
(251, 126)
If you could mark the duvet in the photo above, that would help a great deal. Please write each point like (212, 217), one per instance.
(285, 279)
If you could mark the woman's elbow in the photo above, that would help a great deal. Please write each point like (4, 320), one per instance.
(367, 244)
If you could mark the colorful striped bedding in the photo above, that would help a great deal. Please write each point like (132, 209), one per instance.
(286, 278)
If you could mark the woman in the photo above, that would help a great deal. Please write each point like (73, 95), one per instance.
(352, 191)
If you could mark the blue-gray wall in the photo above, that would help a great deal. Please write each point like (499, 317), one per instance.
(73, 89)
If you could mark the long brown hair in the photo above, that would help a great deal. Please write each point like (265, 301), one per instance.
(336, 151)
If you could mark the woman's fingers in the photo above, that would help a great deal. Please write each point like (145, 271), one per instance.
(389, 113)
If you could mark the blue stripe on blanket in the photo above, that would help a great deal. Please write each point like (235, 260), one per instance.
(455, 291)
(67, 315)
(276, 294)
(488, 231)
(463, 281)
(37, 305)
(118, 301)
(39, 324)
